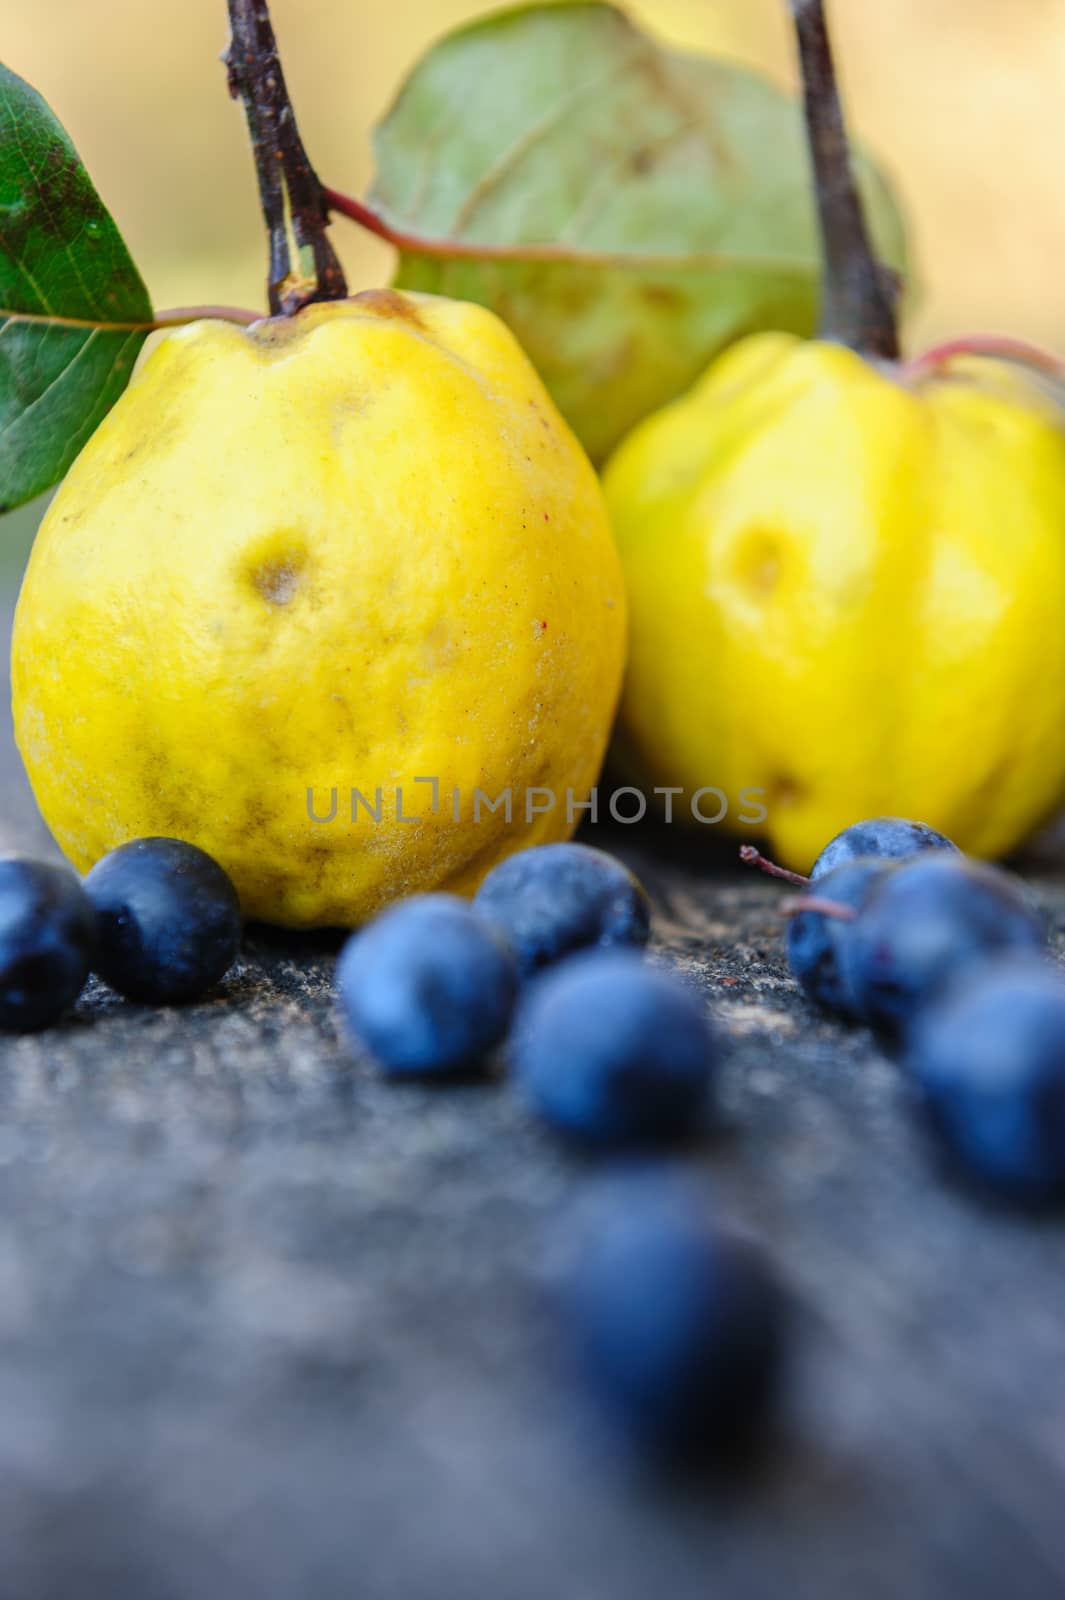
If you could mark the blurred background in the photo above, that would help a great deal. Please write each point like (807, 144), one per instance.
(963, 100)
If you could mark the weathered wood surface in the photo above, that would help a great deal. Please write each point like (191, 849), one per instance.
(270, 1327)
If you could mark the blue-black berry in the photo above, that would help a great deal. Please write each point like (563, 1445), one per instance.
(680, 1329)
(892, 837)
(923, 925)
(557, 898)
(168, 919)
(815, 939)
(428, 987)
(47, 939)
(613, 1052)
(989, 1064)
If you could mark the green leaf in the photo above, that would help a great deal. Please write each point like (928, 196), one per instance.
(73, 310)
(629, 210)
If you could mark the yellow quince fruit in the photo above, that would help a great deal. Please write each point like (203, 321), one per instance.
(349, 549)
(846, 591)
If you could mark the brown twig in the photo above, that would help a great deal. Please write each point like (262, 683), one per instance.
(303, 264)
(860, 295)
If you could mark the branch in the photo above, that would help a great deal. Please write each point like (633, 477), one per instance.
(860, 296)
(303, 264)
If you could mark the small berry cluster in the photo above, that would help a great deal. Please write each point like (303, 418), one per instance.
(157, 919)
(679, 1327)
(947, 959)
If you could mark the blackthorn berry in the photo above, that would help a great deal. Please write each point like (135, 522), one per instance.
(428, 987)
(557, 898)
(168, 919)
(989, 1063)
(922, 925)
(814, 939)
(47, 939)
(891, 837)
(614, 1052)
(680, 1330)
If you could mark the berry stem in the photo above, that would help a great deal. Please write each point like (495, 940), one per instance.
(303, 264)
(754, 858)
(860, 295)
(815, 902)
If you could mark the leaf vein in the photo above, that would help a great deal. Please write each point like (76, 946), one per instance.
(504, 164)
(60, 377)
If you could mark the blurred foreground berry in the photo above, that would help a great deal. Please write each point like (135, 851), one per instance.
(989, 1063)
(680, 1330)
(47, 939)
(428, 987)
(923, 925)
(614, 1052)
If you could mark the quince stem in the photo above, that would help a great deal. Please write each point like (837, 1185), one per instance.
(860, 295)
(303, 265)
